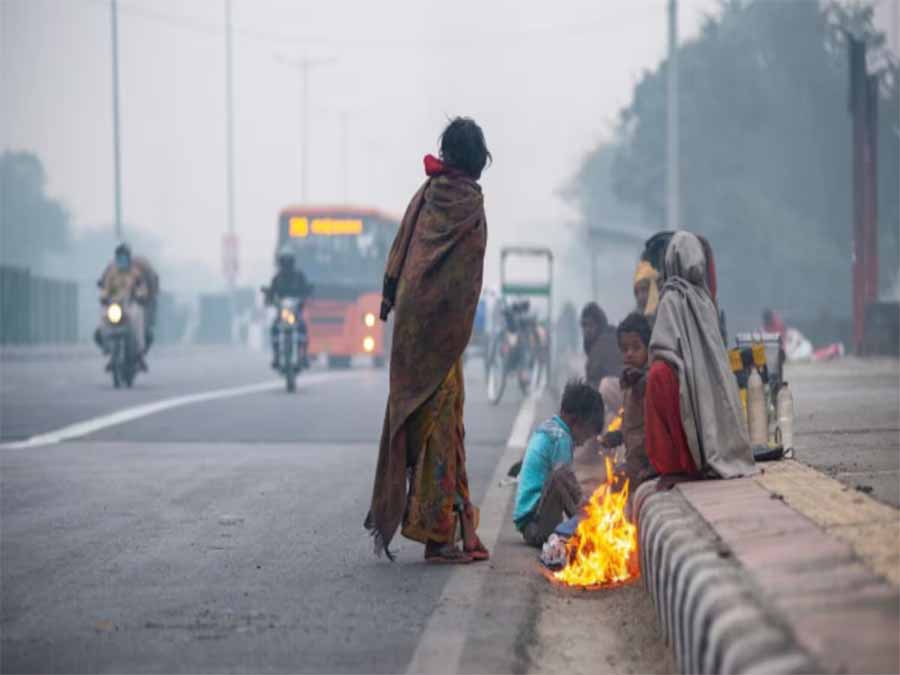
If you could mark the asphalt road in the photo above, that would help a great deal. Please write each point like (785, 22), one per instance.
(847, 422)
(39, 395)
(227, 536)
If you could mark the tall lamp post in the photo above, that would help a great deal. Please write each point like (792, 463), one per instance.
(303, 66)
(230, 252)
(673, 186)
(117, 151)
(345, 157)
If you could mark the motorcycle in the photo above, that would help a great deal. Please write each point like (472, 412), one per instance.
(292, 338)
(519, 348)
(118, 339)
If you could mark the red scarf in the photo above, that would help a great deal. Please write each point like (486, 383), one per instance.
(436, 167)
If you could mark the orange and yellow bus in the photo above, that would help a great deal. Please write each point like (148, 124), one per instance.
(342, 250)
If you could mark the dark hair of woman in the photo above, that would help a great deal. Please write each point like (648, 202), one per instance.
(463, 147)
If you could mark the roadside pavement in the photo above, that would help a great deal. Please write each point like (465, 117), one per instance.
(790, 570)
(503, 616)
(848, 422)
(557, 630)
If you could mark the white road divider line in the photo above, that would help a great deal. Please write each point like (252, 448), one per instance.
(95, 424)
(440, 649)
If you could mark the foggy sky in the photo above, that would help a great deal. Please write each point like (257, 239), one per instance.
(545, 80)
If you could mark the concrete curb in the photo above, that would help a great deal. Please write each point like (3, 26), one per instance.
(707, 609)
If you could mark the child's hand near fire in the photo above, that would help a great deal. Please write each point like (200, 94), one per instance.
(612, 439)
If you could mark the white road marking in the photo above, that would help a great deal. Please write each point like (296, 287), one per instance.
(95, 424)
(521, 429)
(880, 472)
(440, 649)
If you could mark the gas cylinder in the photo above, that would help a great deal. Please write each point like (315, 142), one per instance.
(785, 407)
(756, 409)
(737, 367)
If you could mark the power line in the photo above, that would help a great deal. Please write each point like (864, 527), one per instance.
(476, 41)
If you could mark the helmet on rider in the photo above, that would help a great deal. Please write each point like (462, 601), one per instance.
(123, 256)
(286, 258)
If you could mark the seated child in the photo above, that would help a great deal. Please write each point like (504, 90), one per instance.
(634, 339)
(548, 491)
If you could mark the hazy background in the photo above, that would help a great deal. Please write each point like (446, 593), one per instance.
(545, 81)
(548, 82)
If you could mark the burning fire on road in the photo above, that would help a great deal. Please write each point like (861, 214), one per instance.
(602, 551)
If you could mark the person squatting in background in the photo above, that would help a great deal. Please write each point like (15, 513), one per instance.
(604, 362)
(548, 490)
(795, 345)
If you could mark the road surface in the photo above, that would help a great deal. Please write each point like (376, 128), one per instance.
(226, 536)
(848, 422)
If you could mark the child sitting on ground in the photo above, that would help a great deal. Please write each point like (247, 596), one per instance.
(548, 490)
(634, 340)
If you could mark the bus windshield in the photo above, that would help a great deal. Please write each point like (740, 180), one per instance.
(339, 249)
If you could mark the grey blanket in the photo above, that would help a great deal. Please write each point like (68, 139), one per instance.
(686, 335)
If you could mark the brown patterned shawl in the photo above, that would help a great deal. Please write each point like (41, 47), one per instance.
(434, 273)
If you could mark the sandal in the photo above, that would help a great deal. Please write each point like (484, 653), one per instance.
(447, 555)
(478, 552)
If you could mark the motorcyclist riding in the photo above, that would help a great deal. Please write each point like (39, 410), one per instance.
(125, 279)
(288, 282)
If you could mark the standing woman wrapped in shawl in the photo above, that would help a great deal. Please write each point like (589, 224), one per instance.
(694, 423)
(432, 282)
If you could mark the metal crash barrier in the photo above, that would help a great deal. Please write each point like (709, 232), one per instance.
(36, 310)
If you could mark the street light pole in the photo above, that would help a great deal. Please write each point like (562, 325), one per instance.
(229, 241)
(304, 140)
(229, 119)
(345, 157)
(117, 152)
(303, 66)
(673, 181)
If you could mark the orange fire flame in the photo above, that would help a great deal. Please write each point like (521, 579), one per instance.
(601, 552)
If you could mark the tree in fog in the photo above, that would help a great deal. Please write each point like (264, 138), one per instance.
(608, 228)
(765, 153)
(32, 225)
